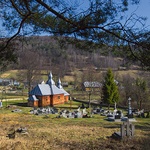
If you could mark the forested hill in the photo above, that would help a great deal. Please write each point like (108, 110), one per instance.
(66, 54)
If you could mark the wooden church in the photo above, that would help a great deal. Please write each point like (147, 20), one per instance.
(47, 94)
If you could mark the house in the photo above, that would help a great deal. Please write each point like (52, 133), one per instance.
(9, 82)
(94, 86)
(5, 82)
(47, 94)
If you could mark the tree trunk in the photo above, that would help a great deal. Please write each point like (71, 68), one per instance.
(140, 105)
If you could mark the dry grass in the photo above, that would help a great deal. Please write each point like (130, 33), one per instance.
(9, 74)
(51, 133)
(68, 78)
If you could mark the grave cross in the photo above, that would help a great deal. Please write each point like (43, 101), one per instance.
(127, 129)
(129, 105)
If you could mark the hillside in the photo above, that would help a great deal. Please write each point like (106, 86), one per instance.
(74, 64)
(70, 76)
(70, 59)
(53, 53)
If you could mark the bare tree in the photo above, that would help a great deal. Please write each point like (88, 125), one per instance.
(127, 88)
(30, 62)
(98, 23)
(141, 93)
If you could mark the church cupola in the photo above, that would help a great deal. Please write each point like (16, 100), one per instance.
(59, 84)
(50, 80)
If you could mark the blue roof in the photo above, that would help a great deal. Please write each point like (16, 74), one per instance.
(61, 88)
(45, 89)
(48, 89)
(55, 90)
(65, 93)
(33, 98)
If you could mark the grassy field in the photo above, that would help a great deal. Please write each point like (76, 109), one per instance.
(46, 132)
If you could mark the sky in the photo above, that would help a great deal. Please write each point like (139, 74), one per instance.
(143, 10)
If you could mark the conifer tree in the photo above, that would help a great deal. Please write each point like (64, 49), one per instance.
(110, 93)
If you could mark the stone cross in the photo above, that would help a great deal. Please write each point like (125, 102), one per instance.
(127, 129)
(129, 106)
(115, 106)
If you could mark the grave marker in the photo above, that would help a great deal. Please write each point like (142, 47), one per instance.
(127, 129)
(1, 104)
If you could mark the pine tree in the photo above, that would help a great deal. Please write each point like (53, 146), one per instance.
(110, 93)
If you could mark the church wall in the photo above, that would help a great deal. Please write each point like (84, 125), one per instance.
(58, 99)
(32, 103)
(52, 100)
(44, 101)
(66, 98)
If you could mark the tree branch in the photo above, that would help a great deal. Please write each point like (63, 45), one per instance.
(55, 12)
(14, 5)
(19, 29)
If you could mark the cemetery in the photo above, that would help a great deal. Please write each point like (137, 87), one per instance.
(74, 124)
(99, 96)
(70, 124)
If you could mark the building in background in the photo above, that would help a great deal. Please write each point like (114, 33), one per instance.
(91, 86)
(47, 94)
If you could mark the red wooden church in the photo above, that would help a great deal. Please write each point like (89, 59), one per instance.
(47, 94)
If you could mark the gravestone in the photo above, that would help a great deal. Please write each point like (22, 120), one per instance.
(64, 114)
(127, 129)
(34, 111)
(97, 110)
(79, 114)
(94, 111)
(22, 130)
(1, 104)
(115, 106)
(16, 110)
(118, 114)
(82, 106)
(11, 133)
(84, 111)
(130, 114)
(71, 115)
(78, 108)
(67, 114)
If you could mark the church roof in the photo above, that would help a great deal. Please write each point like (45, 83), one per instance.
(49, 88)
(50, 80)
(65, 93)
(55, 90)
(61, 88)
(33, 98)
(59, 84)
(45, 89)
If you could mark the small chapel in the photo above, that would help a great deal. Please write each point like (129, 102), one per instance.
(48, 94)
